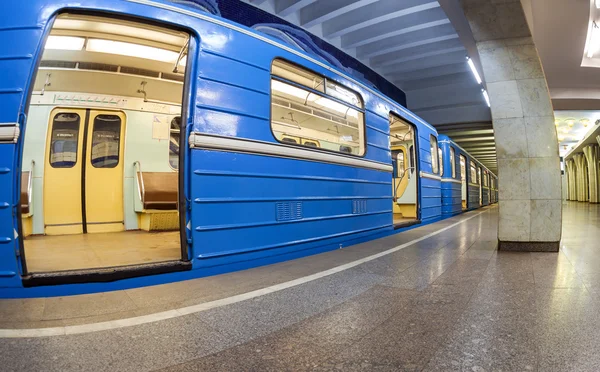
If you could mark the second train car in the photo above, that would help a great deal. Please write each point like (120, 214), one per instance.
(145, 142)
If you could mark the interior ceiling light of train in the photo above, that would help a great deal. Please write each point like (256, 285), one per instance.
(573, 126)
(414, 45)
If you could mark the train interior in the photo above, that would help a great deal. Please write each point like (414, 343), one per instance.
(402, 144)
(307, 118)
(463, 181)
(101, 152)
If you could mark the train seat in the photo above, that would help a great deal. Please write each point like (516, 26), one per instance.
(159, 194)
(159, 190)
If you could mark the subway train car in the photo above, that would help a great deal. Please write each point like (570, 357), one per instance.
(466, 183)
(145, 142)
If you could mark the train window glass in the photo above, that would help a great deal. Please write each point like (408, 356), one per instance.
(485, 178)
(411, 154)
(298, 75)
(453, 161)
(106, 141)
(64, 140)
(301, 106)
(441, 161)
(473, 173)
(434, 151)
(400, 164)
(174, 142)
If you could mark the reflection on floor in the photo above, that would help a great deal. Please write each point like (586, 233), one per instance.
(398, 219)
(86, 251)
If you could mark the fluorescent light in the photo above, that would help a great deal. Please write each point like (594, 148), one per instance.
(64, 42)
(131, 50)
(289, 89)
(594, 44)
(487, 98)
(474, 70)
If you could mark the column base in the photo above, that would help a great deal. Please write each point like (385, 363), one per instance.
(528, 246)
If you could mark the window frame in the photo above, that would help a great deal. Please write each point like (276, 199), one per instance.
(362, 123)
(473, 167)
(79, 129)
(433, 147)
(441, 160)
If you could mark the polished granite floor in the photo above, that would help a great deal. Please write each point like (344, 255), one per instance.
(450, 302)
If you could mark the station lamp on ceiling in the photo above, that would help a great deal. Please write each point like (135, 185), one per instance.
(570, 122)
(478, 79)
(585, 122)
(556, 122)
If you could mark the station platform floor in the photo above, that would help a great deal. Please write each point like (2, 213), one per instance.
(436, 298)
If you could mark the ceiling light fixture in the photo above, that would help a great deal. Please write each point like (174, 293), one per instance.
(131, 50)
(556, 122)
(474, 70)
(570, 122)
(487, 98)
(561, 138)
(585, 122)
(594, 41)
(64, 42)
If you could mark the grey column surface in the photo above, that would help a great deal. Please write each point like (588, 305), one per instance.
(582, 177)
(571, 171)
(523, 120)
(592, 153)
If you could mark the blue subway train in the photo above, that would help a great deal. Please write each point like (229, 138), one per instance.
(149, 141)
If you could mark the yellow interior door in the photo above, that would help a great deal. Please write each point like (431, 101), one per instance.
(104, 172)
(62, 173)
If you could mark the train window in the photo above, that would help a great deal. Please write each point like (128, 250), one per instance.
(453, 161)
(306, 105)
(434, 151)
(310, 143)
(106, 141)
(485, 178)
(400, 164)
(174, 142)
(411, 154)
(473, 173)
(64, 140)
(441, 161)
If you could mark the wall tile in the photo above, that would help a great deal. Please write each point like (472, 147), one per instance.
(545, 178)
(513, 179)
(496, 64)
(546, 220)
(535, 98)
(541, 136)
(505, 100)
(514, 223)
(525, 62)
(511, 141)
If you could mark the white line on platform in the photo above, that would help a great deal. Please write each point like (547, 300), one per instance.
(170, 314)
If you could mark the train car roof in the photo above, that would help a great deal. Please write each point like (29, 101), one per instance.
(180, 8)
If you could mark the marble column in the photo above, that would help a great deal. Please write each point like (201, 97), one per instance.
(571, 171)
(523, 120)
(592, 154)
(582, 177)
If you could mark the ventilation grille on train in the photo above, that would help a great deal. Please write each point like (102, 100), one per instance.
(93, 66)
(289, 211)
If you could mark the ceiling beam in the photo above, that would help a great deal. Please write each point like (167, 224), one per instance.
(284, 8)
(429, 18)
(383, 10)
(323, 11)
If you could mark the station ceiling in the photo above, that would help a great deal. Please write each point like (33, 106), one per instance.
(415, 45)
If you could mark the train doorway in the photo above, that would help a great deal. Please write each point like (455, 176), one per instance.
(480, 181)
(404, 162)
(463, 182)
(83, 182)
(100, 166)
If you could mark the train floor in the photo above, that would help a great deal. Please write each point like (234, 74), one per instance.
(437, 298)
(86, 251)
